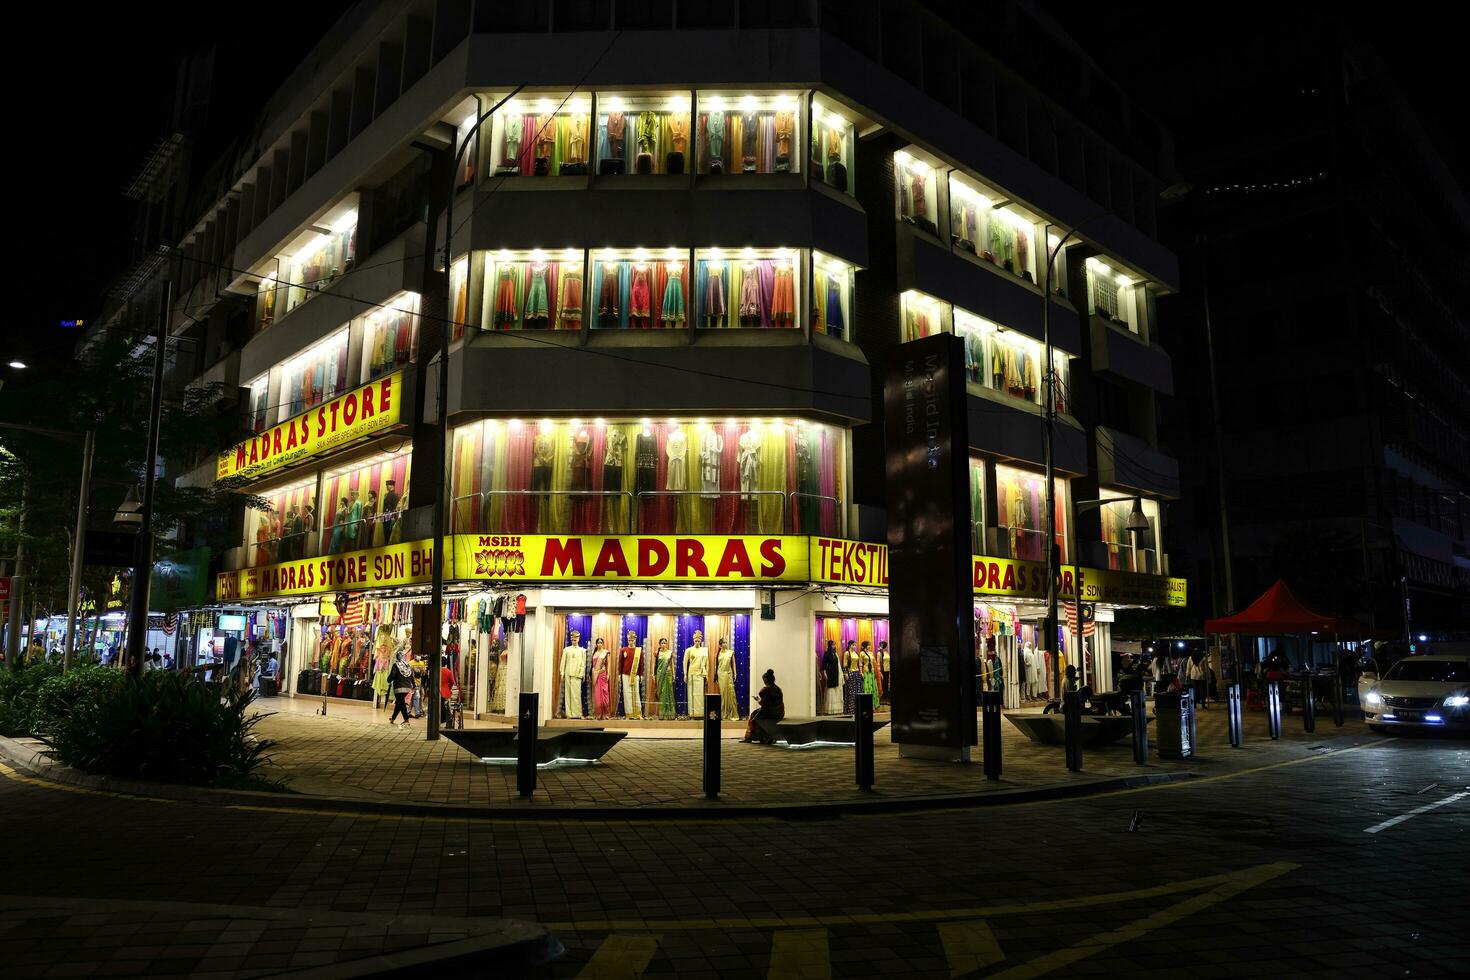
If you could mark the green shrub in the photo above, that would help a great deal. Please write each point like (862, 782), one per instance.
(163, 726)
(18, 692)
(60, 693)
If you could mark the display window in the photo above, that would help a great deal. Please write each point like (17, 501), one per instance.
(363, 503)
(469, 158)
(315, 375)
(1129, 552)
(923, 315)
(650, 666)
(1002, 235)
(281, 531)
(492, 631)
(641, 290)
(459, 293)
(752, 289)
(833, 136)
(1020, 505)
(325, 256)
(541, 136)
(747, 133)
(1115, 296)
(265, 296)
(642, 134)
(352, 661)
(257, 411)
(533, 290)
(391, 335)
(1009, 656)
(977, 506)
(618, 476)
(918, 191)
(831, 295)
(852, 658)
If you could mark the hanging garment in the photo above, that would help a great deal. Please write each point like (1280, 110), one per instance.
(647, 131)
(645, 461)
(696, 672)
(725, 678)
(616, 130)
(601, 692)
(663, 681)
(783, 298)
(870, 681)
(571, 300)
(581, 461)
(750, 295)
(576, 140)
(711, 449)
(714, 294)
(607, 301)
(613, 453)
(676, 447)
(639, 296)
(916, 190)
(673, 306)
(714, 134)
(749, 131)
(543, 451)
(512, 156)
(836, 321)
(538, 305)
(505, 297)
(852, 686)
(678, 134)
(750, 463)
(504, 681)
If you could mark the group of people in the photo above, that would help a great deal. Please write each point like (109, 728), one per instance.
(855, 671)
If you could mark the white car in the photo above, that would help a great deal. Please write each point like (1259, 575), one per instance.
(1428, 691)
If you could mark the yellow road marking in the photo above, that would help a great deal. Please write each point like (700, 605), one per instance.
(621, 958)
(1239, 881)
(800, 954)
(969, 946)
(931, 915)
(37, 781)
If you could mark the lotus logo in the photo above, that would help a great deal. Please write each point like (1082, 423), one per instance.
(500, 562)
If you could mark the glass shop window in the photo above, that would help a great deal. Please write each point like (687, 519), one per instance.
(392, 335)
(315, 375)
(281, 531)
(833, 135)
(642, 134)
(541, 136)
(266, 296)
(1007, 361)
(327, 255)
(1116, 296)
(469, 161)
(751, 288)
(1000, 234)
(831, 295)
(918, 191)
(640, 290)
(459, 292)
(750, 134)
(1020, 513)
(364, 503)
(1127, 551)
(533, 290)
(923, 315)
(257, 410)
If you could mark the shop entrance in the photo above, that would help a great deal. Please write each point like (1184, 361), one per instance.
(859, 662)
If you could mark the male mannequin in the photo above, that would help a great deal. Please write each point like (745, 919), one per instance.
(573, 671)
(884, 661)
(1029, 671)
(696, 670)
(630, 659)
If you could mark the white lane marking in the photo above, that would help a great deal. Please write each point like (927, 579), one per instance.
(1395, 821)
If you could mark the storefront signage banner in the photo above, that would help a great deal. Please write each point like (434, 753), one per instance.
(395, 564)
(360, 412)
(1132, 588)
(842, 562)
(646, 558)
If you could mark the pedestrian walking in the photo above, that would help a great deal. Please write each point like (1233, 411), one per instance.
(401, 679)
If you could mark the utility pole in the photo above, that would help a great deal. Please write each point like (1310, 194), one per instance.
(17, 583)
(74, 589)
(143, 549)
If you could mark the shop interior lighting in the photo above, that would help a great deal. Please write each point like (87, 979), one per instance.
(544, 107)
(538, 255)
(640, 254)
(671, 254)
(716, 103)
(503, 255)
(569, 254)
(578, 105)
(345, 222)
(615, 103)
(747, 103)
(716, 254)
(747, 253)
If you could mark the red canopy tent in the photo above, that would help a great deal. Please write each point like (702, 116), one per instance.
(1277, 611)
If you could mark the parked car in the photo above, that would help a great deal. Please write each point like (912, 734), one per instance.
(1428, 691)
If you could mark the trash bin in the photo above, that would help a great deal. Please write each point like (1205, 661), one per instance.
(1175, 714)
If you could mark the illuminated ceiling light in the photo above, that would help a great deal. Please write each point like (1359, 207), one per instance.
(599, 422)
(578, 105)
(640, 253)
(785, 101)
(671, 253)
(345, 222)
(545, 425)
(570, 254)
(18, 365)
(716, 103)
(679, 104)
(537, 255)
(716, 253)
(747, 252)
(610, 254)
(503, 255)
(747, 103)
(543, 106)
(783, 253)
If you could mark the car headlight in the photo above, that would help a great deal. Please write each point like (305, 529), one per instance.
(1372, 697)
(1457, 701)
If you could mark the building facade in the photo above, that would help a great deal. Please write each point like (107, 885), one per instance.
(683, 241)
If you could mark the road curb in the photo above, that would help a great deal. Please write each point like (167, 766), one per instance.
(36, 763)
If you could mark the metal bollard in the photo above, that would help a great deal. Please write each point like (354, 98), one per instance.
(1233, 715)
(1072, 713)
(1273, 708)
(712, 746)
(526, 715)
(1337, 699)
(1139, 708)
(1309, 705)
(863, 747)
(990, 705)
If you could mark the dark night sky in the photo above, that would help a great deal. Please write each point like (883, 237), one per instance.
(112, 90)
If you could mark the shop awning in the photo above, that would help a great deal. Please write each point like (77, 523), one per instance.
(1278, 611)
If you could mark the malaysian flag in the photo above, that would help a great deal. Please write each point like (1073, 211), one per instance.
(1089, 627)
(352, 610)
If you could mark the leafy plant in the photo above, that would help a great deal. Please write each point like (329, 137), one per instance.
(166, 727)
(59, 693)
(18, 692)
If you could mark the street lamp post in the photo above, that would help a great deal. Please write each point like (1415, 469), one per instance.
(435, 617)
(143, 547)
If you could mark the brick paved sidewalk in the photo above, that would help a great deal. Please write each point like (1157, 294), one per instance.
(337, 756)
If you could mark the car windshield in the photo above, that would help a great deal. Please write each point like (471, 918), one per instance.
(1444, 671)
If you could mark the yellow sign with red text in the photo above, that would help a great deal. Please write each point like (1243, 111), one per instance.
(360, 412)
(725, 559)
(375, 568)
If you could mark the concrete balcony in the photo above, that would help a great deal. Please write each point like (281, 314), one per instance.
(1123, 354)
(1011, 429)
(1127, 462)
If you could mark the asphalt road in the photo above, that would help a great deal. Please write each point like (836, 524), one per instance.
(1355, 863)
